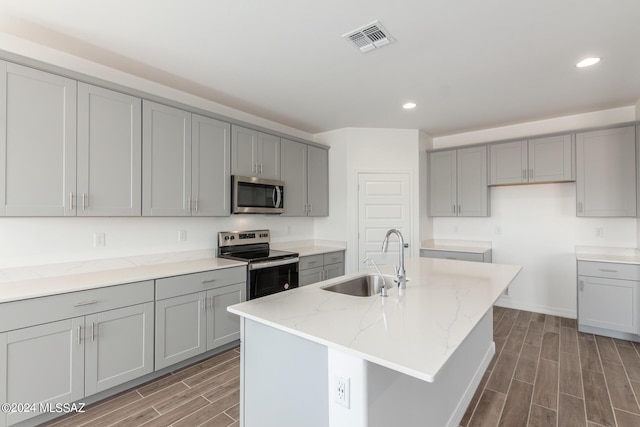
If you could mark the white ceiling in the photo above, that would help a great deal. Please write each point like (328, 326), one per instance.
(467, 64)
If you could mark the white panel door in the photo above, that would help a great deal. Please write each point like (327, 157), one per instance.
(384, 202)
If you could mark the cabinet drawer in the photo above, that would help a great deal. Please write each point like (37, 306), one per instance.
(333, 257)
(461, 256)
(610, 270)
(196, 282)
(311, 261)
(35, 311)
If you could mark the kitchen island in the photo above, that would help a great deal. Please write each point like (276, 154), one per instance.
(318, 358)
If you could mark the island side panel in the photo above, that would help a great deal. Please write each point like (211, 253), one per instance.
(284, 379)
(398, 399)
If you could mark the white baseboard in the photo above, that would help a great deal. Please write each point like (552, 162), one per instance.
(508, 302)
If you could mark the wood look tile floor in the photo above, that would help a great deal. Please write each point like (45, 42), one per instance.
(544, 373)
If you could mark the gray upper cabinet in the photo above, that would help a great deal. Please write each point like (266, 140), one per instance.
(109, 153)
(508, 163)
(548, 159)
(305, 172)
(552, 159)
(458, 182)
(210, 183)
(254, 153)
(317, 181)
(166, 161)
(37, 142)
(606, 172)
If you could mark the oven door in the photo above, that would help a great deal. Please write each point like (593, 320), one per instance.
(270, 277)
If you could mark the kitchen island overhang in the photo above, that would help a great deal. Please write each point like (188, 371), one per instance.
(435, 339)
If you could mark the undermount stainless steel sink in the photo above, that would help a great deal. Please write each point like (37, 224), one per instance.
(364, 286)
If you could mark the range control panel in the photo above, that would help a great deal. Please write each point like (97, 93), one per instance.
(234, 238)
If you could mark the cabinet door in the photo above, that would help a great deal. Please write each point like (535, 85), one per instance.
(606, 173)
(210, 164)
(317, 181)
(608, 303)
(244, 151)
(119, 346)
(166, 157)
(443, 200)
(472, 181)
(334, 270)
(269, 156)
(42, 364)
(224, 327)
(294, 174)
(508, 163)
(310, 275)
(180, 328)
(551, 159)
(109, 153)
(37, 142)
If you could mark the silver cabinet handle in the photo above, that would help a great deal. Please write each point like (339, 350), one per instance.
(313, 262)
(204, 282)
(71, 200)
(83, 303)
(581, 285)
(93, 331)
(84, 200)
(459, 209)
(204, 304)
(310, 208)
(607, 270)
(79, 335)
(261, 169)
(196, 202)
(454, 209)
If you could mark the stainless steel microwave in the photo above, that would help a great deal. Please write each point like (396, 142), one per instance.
(256, 195)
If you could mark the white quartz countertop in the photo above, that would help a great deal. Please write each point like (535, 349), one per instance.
(307, 248)
(38, 281)
(414, 331)
(470, 246)
(608, 254)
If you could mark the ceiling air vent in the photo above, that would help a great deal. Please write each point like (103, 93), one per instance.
(369, 37)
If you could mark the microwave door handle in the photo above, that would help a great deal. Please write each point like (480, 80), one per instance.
(279, 199)
(273, 197)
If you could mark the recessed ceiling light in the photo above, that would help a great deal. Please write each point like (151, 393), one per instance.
(587, 62)
(409, 106)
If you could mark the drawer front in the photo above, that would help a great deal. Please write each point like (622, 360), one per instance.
(35, 311)
(610, 270)
(460, 256)
(188, 283)
(333, 257)
(311, 261)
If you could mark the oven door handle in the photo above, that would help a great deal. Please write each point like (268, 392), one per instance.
(267, 264)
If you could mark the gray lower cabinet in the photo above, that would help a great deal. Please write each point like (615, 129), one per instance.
(316, 268)
(191, 313)
(609, 299)
(37, 142)
(62, 348)
(538, 160)
(457, 255)
(606, 173)
(186, 161)
(254, 153)
(305, 172)
(458, 182)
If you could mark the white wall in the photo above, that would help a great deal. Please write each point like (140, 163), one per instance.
(357, 150)
(33, 241)
(535, 226)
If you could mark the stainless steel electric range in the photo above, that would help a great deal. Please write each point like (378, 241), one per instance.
(269, 271)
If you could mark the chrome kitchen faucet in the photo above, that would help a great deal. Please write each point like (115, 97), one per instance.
(401, 275)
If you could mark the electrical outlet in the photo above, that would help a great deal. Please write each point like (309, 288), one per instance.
(182, 235)
(599, 232)
(342, 391)
(99, 240)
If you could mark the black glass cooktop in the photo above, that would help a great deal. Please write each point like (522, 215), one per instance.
(259, 255)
